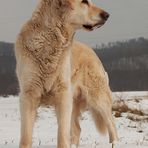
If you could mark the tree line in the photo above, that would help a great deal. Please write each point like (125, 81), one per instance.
(126, 63)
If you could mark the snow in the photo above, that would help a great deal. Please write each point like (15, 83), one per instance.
(100, 146)
(131, 95)
(45, 131)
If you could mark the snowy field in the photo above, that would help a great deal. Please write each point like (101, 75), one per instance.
(131, 117)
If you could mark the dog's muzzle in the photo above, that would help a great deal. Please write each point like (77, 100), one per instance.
(104, 17)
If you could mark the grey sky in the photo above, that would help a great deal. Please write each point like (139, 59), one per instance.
(129, 19)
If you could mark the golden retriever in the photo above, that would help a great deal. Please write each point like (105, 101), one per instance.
(44, 68)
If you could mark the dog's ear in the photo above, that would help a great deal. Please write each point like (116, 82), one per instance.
(61, 2)
(64, 3)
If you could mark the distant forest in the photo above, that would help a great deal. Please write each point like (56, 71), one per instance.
(126, 63)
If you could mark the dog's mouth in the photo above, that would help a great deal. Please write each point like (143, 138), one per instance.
(92, 27)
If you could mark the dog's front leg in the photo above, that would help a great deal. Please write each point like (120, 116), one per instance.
(28, 109)
(63, 111)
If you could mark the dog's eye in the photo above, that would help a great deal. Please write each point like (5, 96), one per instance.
(85, 2)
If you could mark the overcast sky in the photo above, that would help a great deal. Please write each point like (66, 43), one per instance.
(129, 19)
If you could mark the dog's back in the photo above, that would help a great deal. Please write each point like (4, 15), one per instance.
(88, 70)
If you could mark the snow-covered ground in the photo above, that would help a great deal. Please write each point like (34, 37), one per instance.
(130, 130)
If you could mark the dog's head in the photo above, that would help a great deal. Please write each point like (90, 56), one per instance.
(84, 14)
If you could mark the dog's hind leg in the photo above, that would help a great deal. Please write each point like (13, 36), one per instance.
(75, 126)
(29, 103)
(102, 113)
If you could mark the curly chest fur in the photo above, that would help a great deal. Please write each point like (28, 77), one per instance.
(47, 48)
(60, 82)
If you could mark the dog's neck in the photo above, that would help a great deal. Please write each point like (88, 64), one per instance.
(53, 17)
(52, 33)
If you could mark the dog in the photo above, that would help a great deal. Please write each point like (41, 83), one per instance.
(44, 65)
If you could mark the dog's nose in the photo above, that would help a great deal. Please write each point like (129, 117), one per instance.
(104, 15)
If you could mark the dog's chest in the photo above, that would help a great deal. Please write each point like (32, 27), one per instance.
(61, 79)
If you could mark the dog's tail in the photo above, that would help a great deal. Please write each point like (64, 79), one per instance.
(99, 122)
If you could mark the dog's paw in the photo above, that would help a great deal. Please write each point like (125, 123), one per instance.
(73, 146)
(114, 144)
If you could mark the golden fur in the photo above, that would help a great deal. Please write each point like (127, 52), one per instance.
(91, 91)
(45, 66)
